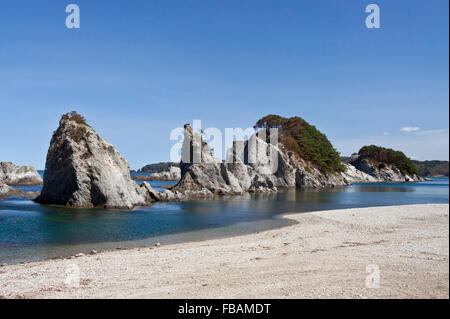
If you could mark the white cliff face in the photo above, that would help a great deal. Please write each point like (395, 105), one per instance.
(385, 174)
(15, 175)
(201, 171)
(84, 170)
(308, 176)
(258, 166)
(251, 166)
(204, 175)
(271, 165)
(174, 174)
(353, 175)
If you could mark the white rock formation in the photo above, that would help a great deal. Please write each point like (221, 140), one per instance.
(251, 166)
(83, 170)
(174, 174)
(387, 173)
(15, 175)
(202, 174)
(154, 195)
(353, 175)
(258, 166)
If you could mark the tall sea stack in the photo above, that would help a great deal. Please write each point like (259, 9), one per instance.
(84, 170)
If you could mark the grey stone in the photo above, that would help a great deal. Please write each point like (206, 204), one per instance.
(84, 170)
(14, 175)
(251, 166)
(385, 173)
(174, 174)
(153, 193)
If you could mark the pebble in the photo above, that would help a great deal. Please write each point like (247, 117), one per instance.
(79, 255)
(157, 244)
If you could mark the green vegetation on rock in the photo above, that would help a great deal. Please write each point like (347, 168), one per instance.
(432, 168)
(381, 156)
(305, 140)
(77, 133)
(74, 116)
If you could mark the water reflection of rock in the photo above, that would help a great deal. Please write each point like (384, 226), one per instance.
(388, 189)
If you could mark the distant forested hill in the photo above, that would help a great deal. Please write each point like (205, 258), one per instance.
(380, 156)
(432, 168)
(425, 168)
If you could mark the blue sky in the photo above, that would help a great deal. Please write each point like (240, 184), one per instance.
(138, 69)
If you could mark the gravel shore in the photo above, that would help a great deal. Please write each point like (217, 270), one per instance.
(328, 254)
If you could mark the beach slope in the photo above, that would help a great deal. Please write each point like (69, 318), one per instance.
(328, 254)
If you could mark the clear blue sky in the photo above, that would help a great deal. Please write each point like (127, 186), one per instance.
(137, 69)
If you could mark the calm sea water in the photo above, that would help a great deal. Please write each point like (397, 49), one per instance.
(30, 231)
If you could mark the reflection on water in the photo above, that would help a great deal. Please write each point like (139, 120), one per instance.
(389, 189)
(29, 231)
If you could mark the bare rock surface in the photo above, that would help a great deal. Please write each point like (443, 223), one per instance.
(8, 191)
(251, 166)
(385, 173)
(201, 173)
(84, 170)
(14, 175)
(154, 195)
(173, 174)
(255, 165)
(354, 175)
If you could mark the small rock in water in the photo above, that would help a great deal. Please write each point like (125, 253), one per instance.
(93, 252)
(79, 255)
(157, 244)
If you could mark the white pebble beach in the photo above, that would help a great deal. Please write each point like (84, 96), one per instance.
(327, 254)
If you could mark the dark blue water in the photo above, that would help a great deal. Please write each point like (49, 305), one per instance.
(30, 231)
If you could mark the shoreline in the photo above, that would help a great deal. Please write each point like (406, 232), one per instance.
(324, 254)
(288, 221)
(286, 216)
